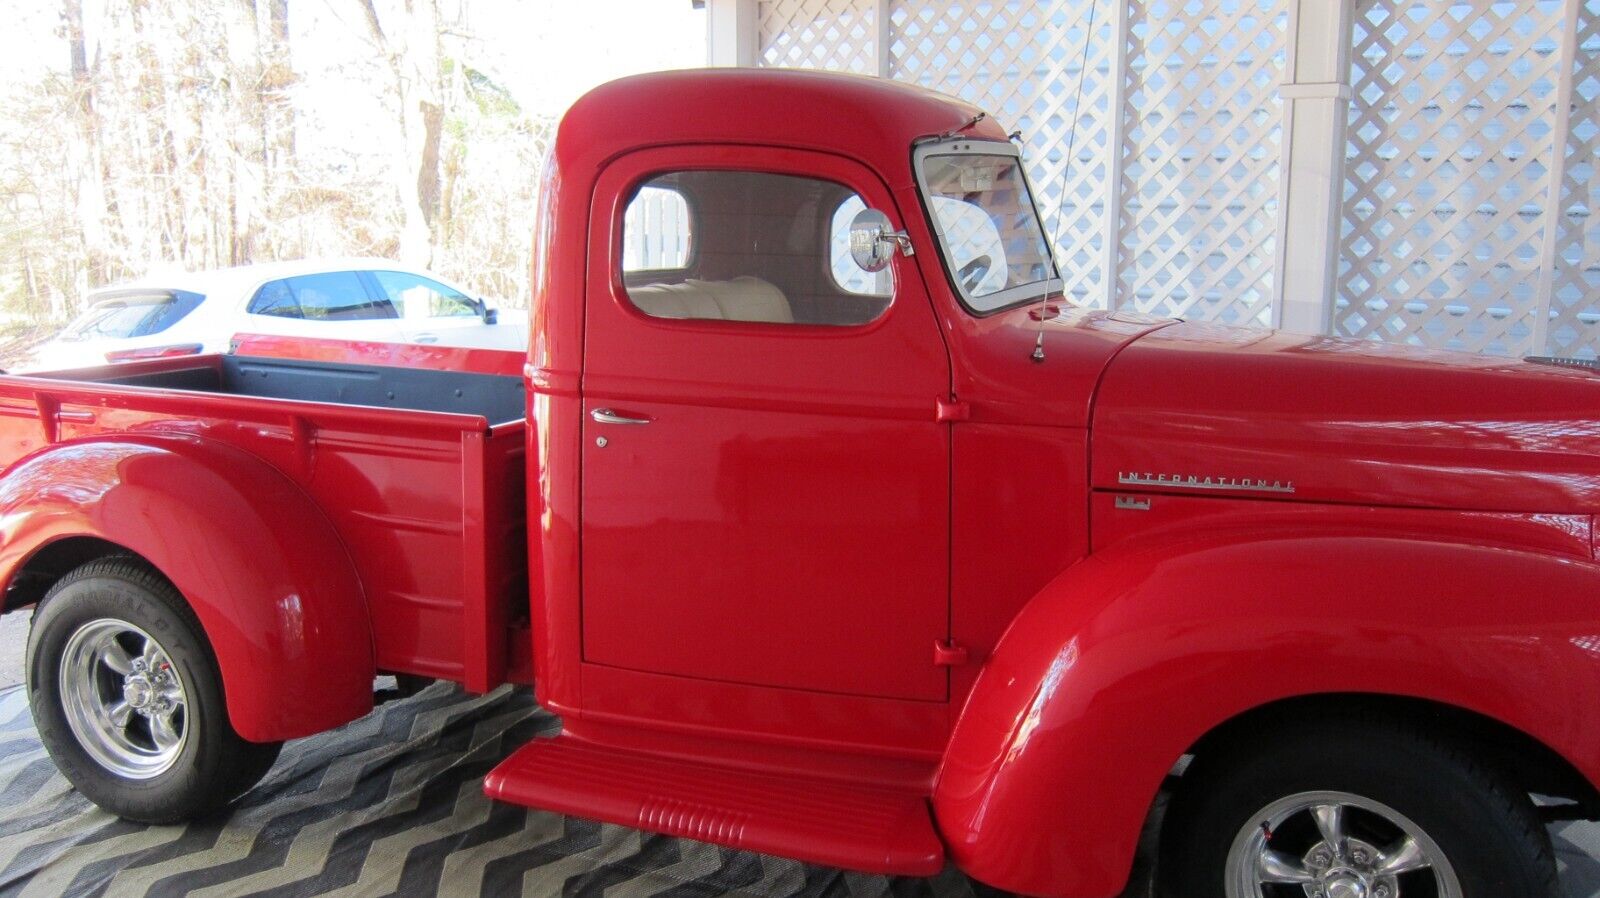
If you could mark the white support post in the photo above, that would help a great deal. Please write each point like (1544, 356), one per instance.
(1556, 173)
(1117, 124)
(1316, 102)
(732, 35)
(881, 20)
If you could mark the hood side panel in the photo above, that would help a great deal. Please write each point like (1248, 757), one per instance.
(1348, 422)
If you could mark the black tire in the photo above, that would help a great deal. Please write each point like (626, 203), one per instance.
(1486, 829)
(212, 765)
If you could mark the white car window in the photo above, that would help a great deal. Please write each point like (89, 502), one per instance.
(329, 296)
(419, 297)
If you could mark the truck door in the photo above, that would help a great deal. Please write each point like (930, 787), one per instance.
(765, 489)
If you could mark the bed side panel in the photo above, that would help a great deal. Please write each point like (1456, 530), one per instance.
(390, 481)
(397, 500)
(421, 500)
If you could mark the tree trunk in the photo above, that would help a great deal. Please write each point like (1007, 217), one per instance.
(413, 53)
(279, 79)
(277, 120)
(85, 160)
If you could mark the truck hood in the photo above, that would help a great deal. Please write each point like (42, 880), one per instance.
(1213, 410)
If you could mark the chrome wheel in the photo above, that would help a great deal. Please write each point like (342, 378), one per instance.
(123, 699)
(1336, 845)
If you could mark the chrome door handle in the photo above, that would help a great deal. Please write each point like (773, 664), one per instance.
(607, 416)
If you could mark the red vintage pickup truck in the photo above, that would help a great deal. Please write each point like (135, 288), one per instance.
(831, 531)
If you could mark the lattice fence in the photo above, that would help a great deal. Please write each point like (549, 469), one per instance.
(1176, 117)
(1201, 158)
(820, 34)
(1023, 61)
(1455, 177)
(1469, 182)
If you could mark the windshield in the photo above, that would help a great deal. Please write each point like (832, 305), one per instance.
(132, 315)
(989, 231)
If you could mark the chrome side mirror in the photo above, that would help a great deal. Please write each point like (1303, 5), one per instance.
(872, 244)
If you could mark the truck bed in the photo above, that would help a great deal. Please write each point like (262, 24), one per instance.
(495, 398)
(420, 471)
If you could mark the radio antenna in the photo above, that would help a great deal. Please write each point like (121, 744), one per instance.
(1066, 170)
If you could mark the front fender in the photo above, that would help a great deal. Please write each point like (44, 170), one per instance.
(1123, 662)
(261, 566)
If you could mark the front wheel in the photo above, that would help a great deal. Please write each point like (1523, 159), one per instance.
(1352, 809)
(128, 700)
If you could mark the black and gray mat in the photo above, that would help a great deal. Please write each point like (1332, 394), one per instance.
(389, 805)
(392, 805)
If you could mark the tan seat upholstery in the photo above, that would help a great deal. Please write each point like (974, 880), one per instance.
(740, 299)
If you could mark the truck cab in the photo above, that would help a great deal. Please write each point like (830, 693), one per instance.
(851, 537)
(828, 497)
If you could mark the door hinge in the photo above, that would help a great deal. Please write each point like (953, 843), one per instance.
(951, 410)
(949, 653)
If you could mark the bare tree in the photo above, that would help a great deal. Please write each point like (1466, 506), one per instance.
(181, 141)
(84, 157)
(411, 47)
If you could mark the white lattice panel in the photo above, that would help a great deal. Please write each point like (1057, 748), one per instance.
(1022, 61)
(1574, 327)
(1448, 174)
(819, 34)
(1470, 198)
(1192, 218)
(1201, 158)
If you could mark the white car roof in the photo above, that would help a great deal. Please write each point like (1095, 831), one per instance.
(245, 277)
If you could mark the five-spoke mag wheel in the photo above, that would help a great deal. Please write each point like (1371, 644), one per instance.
(128, 696)
(123, 698)
(1336, 845)
(1339, 799)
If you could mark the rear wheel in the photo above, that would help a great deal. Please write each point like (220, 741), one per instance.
(128, 700)
(1352, 809)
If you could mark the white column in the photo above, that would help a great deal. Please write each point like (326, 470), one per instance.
(1555, 175)
(1316, 100)
(1116, 99)
(731, 33)
(880, 38)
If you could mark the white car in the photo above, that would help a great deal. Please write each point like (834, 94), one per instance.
(373, 300)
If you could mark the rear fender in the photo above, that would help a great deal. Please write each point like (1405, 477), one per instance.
(1121, 664)
(256, 559)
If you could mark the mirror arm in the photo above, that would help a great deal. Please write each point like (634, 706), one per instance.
(902, 240)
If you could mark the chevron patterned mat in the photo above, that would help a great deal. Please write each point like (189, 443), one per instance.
(391, 805)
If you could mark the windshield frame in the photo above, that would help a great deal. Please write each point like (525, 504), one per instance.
(1001, 300)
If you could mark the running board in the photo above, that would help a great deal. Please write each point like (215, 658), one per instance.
(840, 825)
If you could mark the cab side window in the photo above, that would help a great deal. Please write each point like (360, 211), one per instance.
(328, 296)
(747, 246)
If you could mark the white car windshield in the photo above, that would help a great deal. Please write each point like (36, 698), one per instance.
(989, 231)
